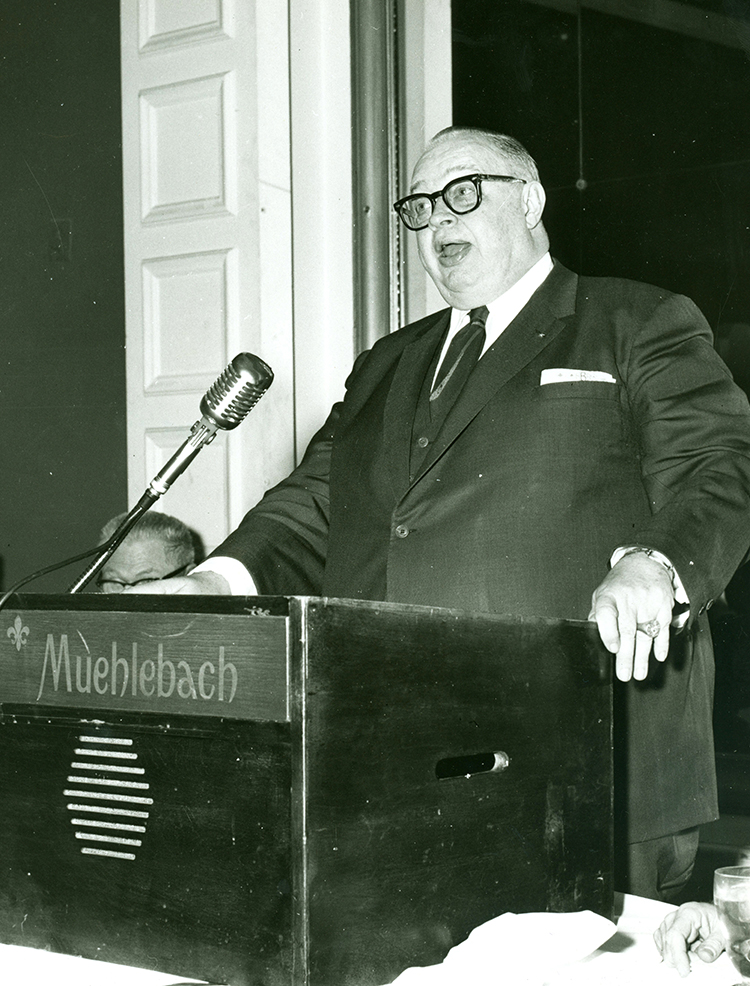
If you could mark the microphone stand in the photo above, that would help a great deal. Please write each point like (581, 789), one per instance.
(234, 393)
(202, 433)
(108, 549)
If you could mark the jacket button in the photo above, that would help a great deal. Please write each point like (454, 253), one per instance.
(423, 442)
(402, 531)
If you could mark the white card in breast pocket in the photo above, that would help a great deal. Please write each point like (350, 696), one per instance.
(562, 375)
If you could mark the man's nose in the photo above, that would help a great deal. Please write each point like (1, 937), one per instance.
(441, 214)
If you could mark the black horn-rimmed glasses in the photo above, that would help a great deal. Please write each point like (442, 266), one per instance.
(461, 195)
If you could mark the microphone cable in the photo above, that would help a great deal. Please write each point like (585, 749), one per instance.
(51, 568)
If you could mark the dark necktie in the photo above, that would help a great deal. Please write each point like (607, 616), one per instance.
(461, 358)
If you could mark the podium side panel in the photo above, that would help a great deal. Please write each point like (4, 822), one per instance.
(403, 864)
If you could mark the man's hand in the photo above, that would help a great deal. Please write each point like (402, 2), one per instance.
(196, 584)
(692, 928)
(636, 592)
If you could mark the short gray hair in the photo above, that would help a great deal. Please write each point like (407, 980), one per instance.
(180, 542)
(507, 147)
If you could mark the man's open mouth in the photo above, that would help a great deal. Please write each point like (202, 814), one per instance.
(450, 254)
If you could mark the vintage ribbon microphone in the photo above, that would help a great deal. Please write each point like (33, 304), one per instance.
(225, 405)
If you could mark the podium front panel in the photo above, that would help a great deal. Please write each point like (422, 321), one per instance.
(145, 765)
(190, 872)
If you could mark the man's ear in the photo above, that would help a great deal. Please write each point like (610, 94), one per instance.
(534, 200)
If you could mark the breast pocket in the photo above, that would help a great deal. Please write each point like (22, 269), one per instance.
(592, 390)
(577, 420)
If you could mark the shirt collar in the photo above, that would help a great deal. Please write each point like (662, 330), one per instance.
(517, 295)
(505, 308)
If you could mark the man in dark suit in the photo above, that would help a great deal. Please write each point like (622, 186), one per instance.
(599, 428)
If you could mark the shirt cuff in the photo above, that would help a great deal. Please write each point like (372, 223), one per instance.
(240, 580)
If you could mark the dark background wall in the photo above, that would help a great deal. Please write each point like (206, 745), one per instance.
(62, 360)
(641, 132)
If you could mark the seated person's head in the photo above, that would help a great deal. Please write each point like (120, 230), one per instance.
(156, 547)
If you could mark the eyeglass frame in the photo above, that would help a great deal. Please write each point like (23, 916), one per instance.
(155, 578)
(475, 179)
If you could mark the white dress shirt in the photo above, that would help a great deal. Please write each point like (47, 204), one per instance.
(504, 309)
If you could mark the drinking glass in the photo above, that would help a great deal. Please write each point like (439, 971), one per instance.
(732, 900)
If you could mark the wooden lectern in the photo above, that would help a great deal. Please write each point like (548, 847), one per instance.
(297, 791)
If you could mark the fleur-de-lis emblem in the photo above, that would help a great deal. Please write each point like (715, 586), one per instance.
(18, 633)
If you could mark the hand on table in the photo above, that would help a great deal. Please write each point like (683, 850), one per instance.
(691, 929)
(637, 592)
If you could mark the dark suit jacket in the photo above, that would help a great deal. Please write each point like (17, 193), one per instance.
(529, 488)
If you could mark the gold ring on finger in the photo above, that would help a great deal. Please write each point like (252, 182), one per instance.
(651, 629)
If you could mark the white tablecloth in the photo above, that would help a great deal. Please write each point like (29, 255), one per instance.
(529, 950)
(628, 957)
(34, 967)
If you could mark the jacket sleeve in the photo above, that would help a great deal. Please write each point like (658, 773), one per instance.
(694, 436)
(283, 540)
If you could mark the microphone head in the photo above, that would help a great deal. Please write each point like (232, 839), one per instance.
(227, 402)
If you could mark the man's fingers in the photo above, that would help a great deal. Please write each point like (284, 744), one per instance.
(625, 655)
(605, 616)
(675, 954)
(661, 642)
(641, 656)
(633, 607)
(710, 949)
(672, 944)
(675, 949)
(693, 928)
(618, 635)
(635, 651)
(630, 633)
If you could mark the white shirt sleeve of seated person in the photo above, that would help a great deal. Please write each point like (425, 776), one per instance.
(240, 580)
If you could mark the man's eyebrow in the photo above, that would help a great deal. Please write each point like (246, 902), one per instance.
(466, 170)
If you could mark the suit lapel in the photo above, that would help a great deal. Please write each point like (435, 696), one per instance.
(401, 403)
(534, 328)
